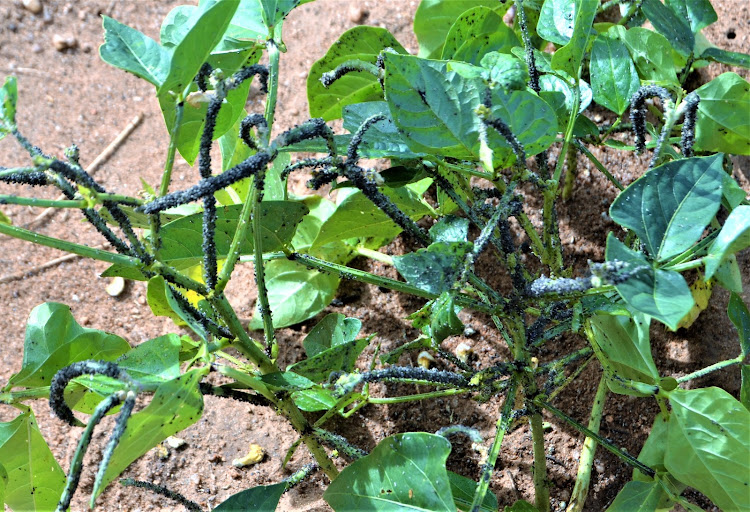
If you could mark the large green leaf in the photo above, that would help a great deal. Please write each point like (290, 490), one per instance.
(176, 405)
(463, 490)
(359, 43)
(434, 19)
(263, 498)
(433, 104)
(670, 206)
(8, 100)
(613, 76)
(569, 57)
(35, 480)
(436, 268)
(708, 445)
(740, 317)
(338, 358)
(733, 237)
(295, 293)
(357, 216)
(382, 139)
(651, 53)
(54, 340)
(726, 57)
(475, 33)
(662, 294)
(403, 472)
(698, 13)
(637, 496)
(723, 123)
(209, 22)
(335, 329)
(182, 239)
(745, 385)
(557, 21)
(128, 49)
(624, 342)
(668, 23)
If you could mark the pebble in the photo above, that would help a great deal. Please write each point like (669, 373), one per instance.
(62, 43)
(33, 6)
(37, 48)
(357, 14)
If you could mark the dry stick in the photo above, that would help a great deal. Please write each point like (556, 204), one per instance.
(93, 166)
(51, 263)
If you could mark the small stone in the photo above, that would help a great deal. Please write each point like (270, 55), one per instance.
(175, 442)
(216, 458)
(599, 466)
(82, 15)
(116, 286)
(37, 48)
(33, 6)
(195, 479)
(357, 14)
(62, 43)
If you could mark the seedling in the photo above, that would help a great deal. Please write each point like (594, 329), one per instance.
(461, 118)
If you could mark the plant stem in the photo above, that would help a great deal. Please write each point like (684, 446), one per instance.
(570, 176)
(541, 484)
(708, 369)
(166, 176)
(374, 255)
(64, 245)
(502, 425)
(418, 396)
(583, 478)
(273, 86)
(583, 149)
(43, 203)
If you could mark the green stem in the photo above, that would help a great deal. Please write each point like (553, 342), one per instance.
(260, 275)
(583, 149)
(541, 484)
(418, 396)
(570, 177)
(634, 6)
(626, 457)
(43, 203)
(502, 425)
(709, 369)
(166, 176)
(12, 397)
(64, 245)
(374, 255)
(274, 56)
(583, 478)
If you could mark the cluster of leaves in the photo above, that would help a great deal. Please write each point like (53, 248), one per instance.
(462, 117)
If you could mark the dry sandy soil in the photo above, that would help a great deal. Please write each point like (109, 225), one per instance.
(72, 97)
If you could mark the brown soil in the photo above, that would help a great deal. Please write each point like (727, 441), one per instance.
(72, 97)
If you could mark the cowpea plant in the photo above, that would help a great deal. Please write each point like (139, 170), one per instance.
(463, 118)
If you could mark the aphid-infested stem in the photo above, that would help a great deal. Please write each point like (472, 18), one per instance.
(690, 107)
(228, 392)
(530, 59)
(638, 115)
(339, 443)
(350, 66)
(163, 491)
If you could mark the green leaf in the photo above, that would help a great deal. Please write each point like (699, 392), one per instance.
(521, 506)
(670, 206)
(557, 20)
(335, 329)
(505, 69)
(176, 405)
(722, 123)
(404, 470)
(434, 19)
(130, 50)
(613, 76)
(662, 294)
(698, 13)
(382, 139)
(295, 293)
(463, 489)
(247, 22)
(560, 97)
(154, 361)
(726, 57)
(35, 480)
(209, 22)
(433, 103)
(733, 237)
(624, 342)
(651, 53)
(8, 101)
(359, 43)
(667, 22)
(357, 216)
(637, 496)
(444, 321)
(450, 229)
(340, 357)
(569, 57)
(287, 381)
(728, 274)
(652, 453)
(263, 498)
(54, 340)
(740, 318)
(435, 268)
(745, 387)
(314, 399)
(182, 239)
(707, 447)
(475, 33)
